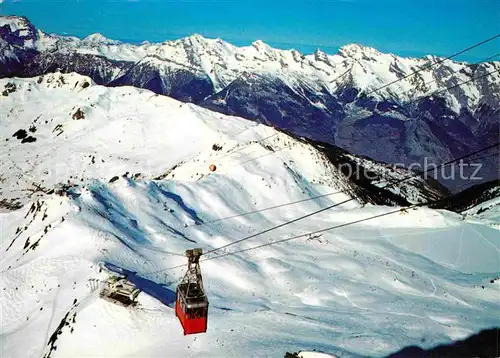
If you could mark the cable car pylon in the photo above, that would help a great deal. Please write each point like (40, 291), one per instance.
(191, 304)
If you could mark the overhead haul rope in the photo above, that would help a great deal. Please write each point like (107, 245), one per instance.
(320, 196)
(329, 207)
(363, 118)
(343, 74)
(324, 230)
(347, 200)
(266, 209)
(299, 201)
(243, 147)
(419, 98)
(309, 234)
(487, 156)
(271, 151)
(434, 64)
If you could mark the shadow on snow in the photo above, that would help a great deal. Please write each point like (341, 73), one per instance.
(157, 290)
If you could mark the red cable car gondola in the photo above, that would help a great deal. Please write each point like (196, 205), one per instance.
(191, 305)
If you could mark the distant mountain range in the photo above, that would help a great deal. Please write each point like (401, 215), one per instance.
(440, 113)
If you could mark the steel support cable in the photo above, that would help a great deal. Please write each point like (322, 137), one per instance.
(434, 64)
(435, 80)
(345, 201)
(418, 99)
(297, 201)
(243, 147)
(331, 206)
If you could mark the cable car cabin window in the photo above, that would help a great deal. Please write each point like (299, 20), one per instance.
(182, 304)
(200, 312)
(191, 290)
(190, 295)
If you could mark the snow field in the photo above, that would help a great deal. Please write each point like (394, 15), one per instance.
(421, 277)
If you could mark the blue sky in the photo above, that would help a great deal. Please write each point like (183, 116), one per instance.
(403, 27)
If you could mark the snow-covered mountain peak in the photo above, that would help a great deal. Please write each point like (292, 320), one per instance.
(359, 52)
(97, 38)
(196, 42)
(187, 50)
(196, 38)
(261, 46)
(15, 23)
(18, 31)
(191, 40)
(320, 56)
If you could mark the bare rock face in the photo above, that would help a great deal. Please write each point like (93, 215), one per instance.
(78, 114)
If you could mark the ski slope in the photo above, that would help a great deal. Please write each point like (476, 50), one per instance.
(133, 130)
(420, 277)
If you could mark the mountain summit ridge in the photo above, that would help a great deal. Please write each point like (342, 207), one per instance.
(353, 98)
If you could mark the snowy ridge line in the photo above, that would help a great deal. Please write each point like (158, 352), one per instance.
(434, 64)
(434, 80)
(245, 146)
(435, 202)
(204, 56)
(418, 99)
